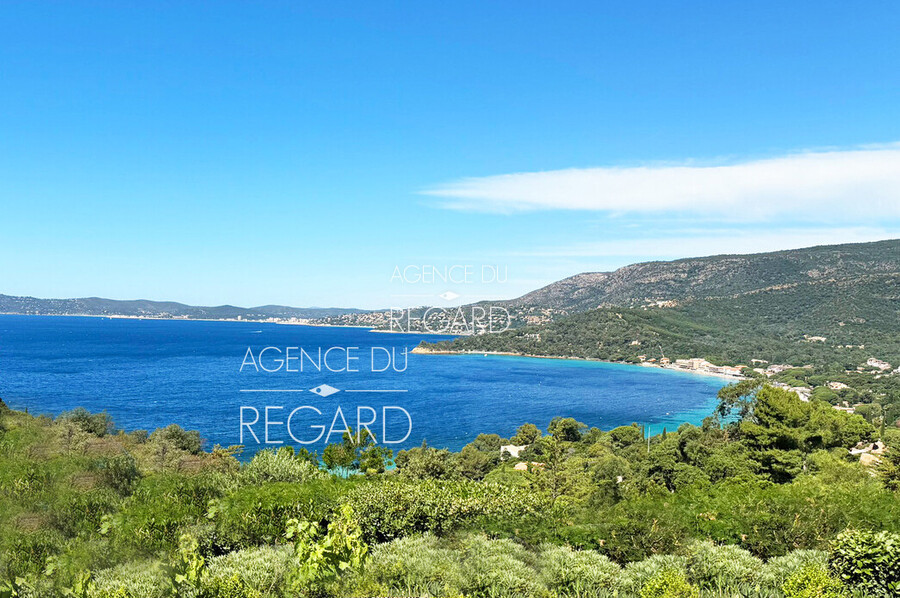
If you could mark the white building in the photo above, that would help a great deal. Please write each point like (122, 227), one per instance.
(512, 449)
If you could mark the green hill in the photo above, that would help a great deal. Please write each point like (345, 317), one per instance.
(715, 276)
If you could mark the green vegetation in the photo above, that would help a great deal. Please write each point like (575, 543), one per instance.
(765, 502)
(858, 319)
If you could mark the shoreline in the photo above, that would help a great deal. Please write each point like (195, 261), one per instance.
(421, 351)
(416, 350)
(157, 318)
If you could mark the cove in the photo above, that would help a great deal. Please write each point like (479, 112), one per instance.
(150, 373)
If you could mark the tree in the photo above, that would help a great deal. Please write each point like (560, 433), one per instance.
(427, 463)
(526, 434)
(566, 429)
(98, 424)
(625, 435)
(475, 464)
(175, 436)
(374, 459)
(737, 399)
(338, 456)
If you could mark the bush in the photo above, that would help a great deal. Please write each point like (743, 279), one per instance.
(812, 581)
(138, 579)
(120, 472)
(75, 512)
(278, 466)
(777, 570)
(669, 583)
(576, 572)
(179, 438)
(161, 508)
(412, 566)
(636, 575)
(868, 560)
(390, 509)
(716, 567)
(25, 553)
(251, 573)
(98, 424)
(496, 568)
(258, 514)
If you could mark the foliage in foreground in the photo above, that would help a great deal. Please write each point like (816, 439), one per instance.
(753, 507)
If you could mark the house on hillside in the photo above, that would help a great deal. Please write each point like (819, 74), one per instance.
(512, 449)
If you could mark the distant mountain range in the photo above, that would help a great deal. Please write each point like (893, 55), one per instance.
(848, 294)
(834, 304)
(858, 280)
(716, 276)
(96, 306)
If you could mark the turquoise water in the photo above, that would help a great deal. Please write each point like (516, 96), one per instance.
(150, 373)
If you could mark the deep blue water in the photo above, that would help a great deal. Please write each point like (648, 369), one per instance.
(150, 373)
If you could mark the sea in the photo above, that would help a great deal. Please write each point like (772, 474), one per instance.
(268, 385)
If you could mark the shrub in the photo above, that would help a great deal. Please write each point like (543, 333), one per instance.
(416, 565)
(138, 579)
(389, 509)
(81, 512)
(258, 514)
(179, 438)
(278, 466)
(777, 570)
(253, 572)
(716, 567)
(812, 581)
(636, 575)
(576, 572)
(24, 553)
(868, 560)
(161, 508)
(120, 472)
(98, 424)
(322, 556)
(497, 568)
(669, 583)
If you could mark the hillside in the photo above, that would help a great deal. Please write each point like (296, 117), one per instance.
(714, 276)
(95, 306)
(835, 309)
(682, 282)
(776, 325)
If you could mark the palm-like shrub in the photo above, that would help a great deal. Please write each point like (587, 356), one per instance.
(813, 581)
(278, 466)
(637, 574)
(714, 567)
(570, 572)
(777, 570)
(137, 579)
(262, 569)
(669, 583)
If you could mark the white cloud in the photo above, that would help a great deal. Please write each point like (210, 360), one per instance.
(861, 183)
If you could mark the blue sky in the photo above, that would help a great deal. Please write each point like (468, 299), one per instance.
(296, 153)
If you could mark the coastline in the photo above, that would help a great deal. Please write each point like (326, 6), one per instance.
(282, 323)
(430, 333)
(420, 351)
(127, 317)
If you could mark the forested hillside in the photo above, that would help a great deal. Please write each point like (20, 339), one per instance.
(824, 322)
(715, 276)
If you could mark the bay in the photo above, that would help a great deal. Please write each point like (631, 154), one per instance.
(150, 373)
